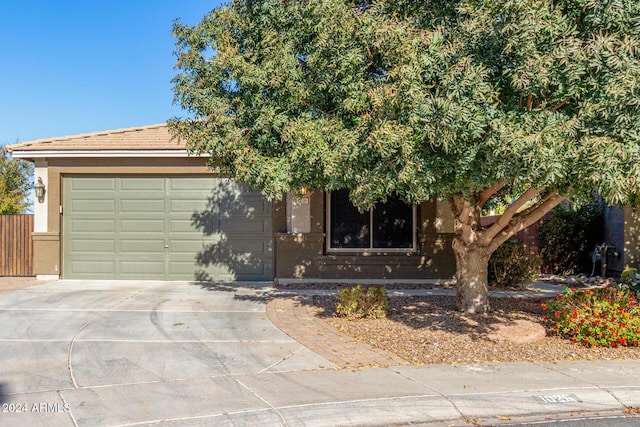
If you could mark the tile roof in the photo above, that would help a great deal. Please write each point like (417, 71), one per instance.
(153, 137)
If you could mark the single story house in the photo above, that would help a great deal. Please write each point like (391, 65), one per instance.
(133, 204)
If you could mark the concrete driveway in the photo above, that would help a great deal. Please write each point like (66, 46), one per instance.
(80, 353)
(93, 353)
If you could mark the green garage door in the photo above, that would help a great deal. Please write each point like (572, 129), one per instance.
(169, 228)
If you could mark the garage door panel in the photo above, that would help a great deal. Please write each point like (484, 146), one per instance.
(182, 268)
(194, 184)
(93, 184)
(148, 184)
(81, 267)
(142, 225)
(251, 271)
(247, 248)
(251, 247)
(142, 206)
(142, 246)
(186, 246)
(185, 226)
(146, 267)
(87, 205)
(188, 206)
(234, 227)
(94, 245)
(92, 226)
(257, 204)
(241, 209)
(211, 227)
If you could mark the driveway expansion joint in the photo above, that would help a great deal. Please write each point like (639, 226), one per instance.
(87, 323)
(264, 400)
(266, 379)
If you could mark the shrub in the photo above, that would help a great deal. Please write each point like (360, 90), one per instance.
(358, 302)
(512, 263)
(608, 316)
(631, 278)
(567, 236)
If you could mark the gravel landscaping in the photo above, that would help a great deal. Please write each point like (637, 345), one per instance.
(428, 329)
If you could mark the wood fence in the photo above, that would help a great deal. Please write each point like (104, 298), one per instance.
(16, 246)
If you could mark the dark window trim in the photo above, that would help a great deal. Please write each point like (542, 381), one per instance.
(370, 249)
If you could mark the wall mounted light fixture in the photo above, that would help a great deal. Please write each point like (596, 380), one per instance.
(39, 190)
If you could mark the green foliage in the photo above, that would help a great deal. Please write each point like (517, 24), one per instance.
(511, 264)
(568, 236)
(416, 99)
(15, 182)
(608, 316)
(358, 302)
(427, 100)
(631, 278)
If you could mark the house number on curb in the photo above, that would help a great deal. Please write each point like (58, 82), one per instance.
(560, 398)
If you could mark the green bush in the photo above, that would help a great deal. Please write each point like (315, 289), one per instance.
(512, 263)
(607, 316)
(358, 302)
(631, 278)
(567, 237)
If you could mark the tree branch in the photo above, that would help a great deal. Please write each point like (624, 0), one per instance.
(526, 218)
(558, 106)
(369, 55)
(537, 104)
(508, 214)
(488, 193)
(523, 213)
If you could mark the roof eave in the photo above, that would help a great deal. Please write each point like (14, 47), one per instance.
(40, 154)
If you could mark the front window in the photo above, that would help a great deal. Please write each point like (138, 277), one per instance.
(388, 226)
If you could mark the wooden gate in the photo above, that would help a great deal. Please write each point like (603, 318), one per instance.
(16, 246)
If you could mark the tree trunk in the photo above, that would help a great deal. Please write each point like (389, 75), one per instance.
(472, 283)
(473, 244)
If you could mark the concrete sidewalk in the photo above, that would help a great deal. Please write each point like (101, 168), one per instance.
(80, 353)
(530, 290)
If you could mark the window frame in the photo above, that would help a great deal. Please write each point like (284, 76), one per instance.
(370, 249)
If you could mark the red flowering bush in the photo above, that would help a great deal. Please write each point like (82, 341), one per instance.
(608, 316)
(356, 302)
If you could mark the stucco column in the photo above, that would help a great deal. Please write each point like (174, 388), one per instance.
(298, 214)
(444, 221)
(40, 214)
(631, 252)
(46, 244)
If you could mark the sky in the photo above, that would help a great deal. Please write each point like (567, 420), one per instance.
(70, 67)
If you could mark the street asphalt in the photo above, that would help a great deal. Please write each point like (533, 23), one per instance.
(145, 353)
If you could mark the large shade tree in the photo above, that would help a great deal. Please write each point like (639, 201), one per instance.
(465, 101)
